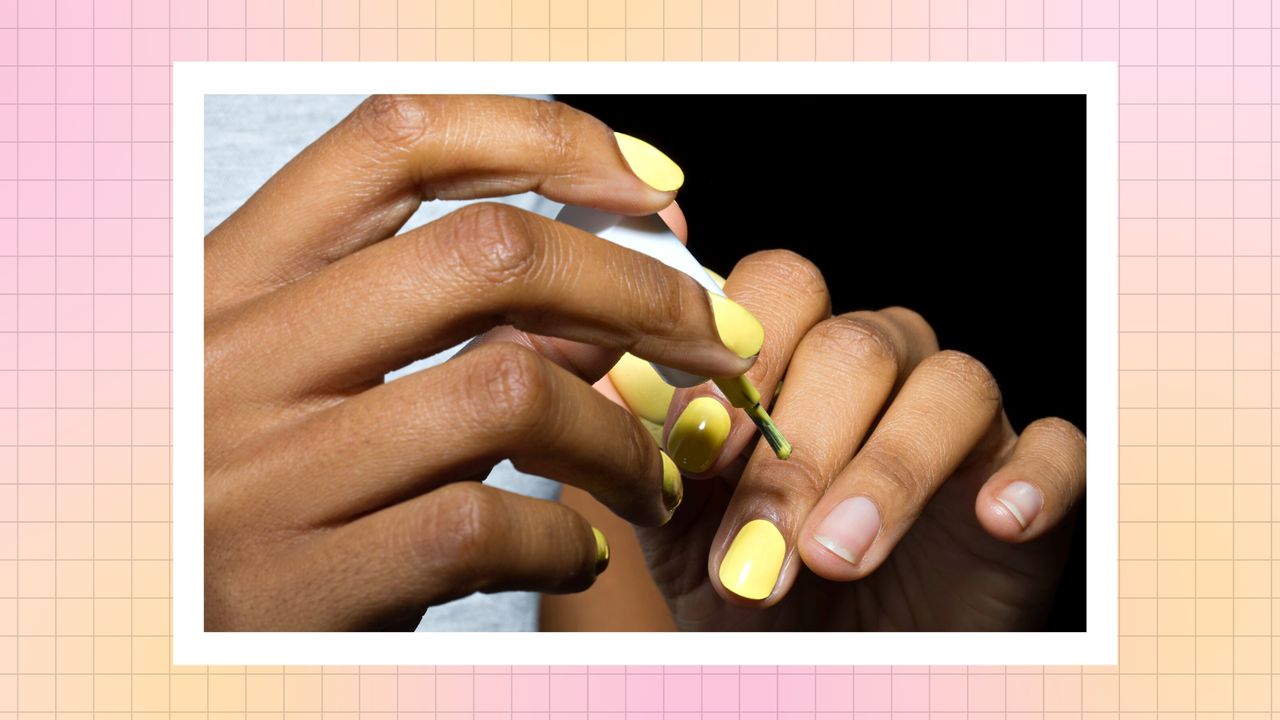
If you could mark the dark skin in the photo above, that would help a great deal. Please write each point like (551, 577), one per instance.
(874, 410)
(335, 501)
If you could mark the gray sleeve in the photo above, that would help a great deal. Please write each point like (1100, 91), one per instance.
(248, 138)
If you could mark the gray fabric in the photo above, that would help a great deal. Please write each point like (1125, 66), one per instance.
(247, 138)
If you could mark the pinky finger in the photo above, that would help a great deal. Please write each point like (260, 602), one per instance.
(1043, 479)
(459, 539)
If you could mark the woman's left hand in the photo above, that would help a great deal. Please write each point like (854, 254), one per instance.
(908, 503)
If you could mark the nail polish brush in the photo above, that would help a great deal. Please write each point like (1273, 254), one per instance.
(651, 236)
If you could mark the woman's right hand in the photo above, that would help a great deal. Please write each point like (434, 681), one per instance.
(334, 501)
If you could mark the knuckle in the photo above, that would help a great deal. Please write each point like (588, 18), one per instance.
(395, 121)
(553, 121)
(857, 335)
(805, 476)
(663, 292)
(511, 388)
(899, 470)
(465, 529)
(966, 371)
(788, 271)
(493, 243)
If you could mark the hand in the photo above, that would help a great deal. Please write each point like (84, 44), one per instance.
(334, 501)
(909, 502)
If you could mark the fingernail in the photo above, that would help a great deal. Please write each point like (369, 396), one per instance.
(697, 435)
(672, 485)
(850, 528)
(1022, 500)
(739, 330)
(641, 388)
(650, 164)
(602, 550)
(750, 568)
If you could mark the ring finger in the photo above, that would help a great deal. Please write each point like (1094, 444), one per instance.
(842, 374)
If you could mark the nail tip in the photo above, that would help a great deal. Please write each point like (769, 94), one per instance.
(835, 549)
(652, 166)
(602, 550)
(1014, 512)
(672, 485)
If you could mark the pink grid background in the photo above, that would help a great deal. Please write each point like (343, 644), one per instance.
(84, 350)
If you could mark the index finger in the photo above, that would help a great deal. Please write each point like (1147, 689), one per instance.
(359, 182)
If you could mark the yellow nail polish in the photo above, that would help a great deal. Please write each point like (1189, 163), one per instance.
(650, 164)
(739, 330)
(672, 485)
(602, 550)
(698, 434)
(642, 388)
(750, 568)
(715, 276)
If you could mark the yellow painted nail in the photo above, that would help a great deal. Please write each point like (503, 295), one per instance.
(672, 485)
(642, 388)
(602, 550)
(697, 435)
(650, 164)
(715, 276)
(750, 568)
(739, 330)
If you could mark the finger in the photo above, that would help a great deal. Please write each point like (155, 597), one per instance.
(481, 266)
(449, 543)
(789, 296)
(945, 409)
(1038, 486)
(455, 422)
(589, 362)
(362, 180)
(841, 375)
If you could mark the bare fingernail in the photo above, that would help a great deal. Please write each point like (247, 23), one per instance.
(850, 528)
(1023, 501)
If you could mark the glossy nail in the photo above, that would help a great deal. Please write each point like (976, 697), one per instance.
(672, 485)
(739, 330)
(850, 528)
(750, 568)
(641, 388)
(650, 164)
(698, 434)
(1023, 501)
(602, 550)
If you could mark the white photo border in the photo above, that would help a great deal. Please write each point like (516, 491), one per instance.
(1097, 645)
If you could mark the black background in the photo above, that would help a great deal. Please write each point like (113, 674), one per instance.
(967, 209)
